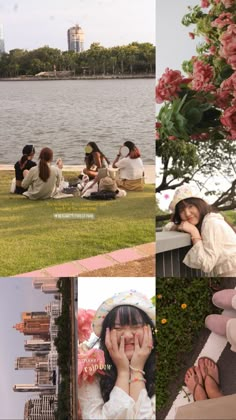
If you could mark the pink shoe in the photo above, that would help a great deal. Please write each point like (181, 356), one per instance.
(217, 323)
(225, 299)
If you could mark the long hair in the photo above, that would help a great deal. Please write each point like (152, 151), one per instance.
(26, 152)
(128, 315)
(201, 205)
(134, 152)
(89, 156)
(46, 156)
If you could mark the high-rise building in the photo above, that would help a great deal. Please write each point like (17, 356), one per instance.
(33, 388)
(2, 44)
(37, 345)
(41, 408)
(34, 323)
(75, 36)
(29, 362)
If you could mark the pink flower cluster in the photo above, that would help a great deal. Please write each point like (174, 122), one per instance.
(168, 85)
(84, 323)
(223, 20)
(202, 76)
(205, 3)
(89, 363)
(228, 119)
(228, 45)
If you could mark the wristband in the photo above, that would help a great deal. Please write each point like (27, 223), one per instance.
(137, 370)
(137, 380)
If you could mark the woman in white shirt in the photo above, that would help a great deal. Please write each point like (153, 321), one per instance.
(213, 239)
(131, 169)
(43, 179)
(124, 324)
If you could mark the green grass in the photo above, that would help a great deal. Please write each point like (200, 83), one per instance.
(31, 238)
(178, 326)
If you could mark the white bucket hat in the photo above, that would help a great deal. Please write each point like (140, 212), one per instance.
(131, 297)
(183, 192)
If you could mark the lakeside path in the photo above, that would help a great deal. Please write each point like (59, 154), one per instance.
(149, 171)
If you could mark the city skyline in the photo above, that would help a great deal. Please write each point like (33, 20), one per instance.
(105, 21)
(17, 295)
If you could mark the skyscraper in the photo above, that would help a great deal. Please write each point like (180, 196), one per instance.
(75, 36)
(2, 45)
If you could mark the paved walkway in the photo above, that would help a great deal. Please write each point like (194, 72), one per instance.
(78, 267)
(217, 348)
(149, 171)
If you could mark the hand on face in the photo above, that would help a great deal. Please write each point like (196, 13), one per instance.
(143, 348)
(187, 227)
(117, 351)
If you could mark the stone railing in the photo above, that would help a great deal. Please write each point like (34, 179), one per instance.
(171, 250)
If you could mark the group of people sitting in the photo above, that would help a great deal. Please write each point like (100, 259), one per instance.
(43, 180)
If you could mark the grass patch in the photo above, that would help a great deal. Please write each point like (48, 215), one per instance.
(181, 306)
(31, 238)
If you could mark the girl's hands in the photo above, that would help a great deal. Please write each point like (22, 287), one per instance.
(142, 350)
(117, 352)
(189, 228)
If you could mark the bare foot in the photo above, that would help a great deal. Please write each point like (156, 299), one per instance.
(194, 381)
(210, 373)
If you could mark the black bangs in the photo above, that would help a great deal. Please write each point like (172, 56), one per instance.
(125, 315)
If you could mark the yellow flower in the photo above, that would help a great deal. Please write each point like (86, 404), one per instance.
(159, 296)
(184, 306)
(164, 321)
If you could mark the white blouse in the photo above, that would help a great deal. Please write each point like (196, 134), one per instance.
(119, 406)
(130, 168)
(217, 250)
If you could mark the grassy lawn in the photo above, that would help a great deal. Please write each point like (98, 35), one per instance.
(181, 306)
(32, 238)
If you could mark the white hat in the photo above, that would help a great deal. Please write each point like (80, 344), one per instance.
(183, 192)
(130, 297)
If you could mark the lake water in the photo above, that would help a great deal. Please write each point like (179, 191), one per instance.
(66, 115)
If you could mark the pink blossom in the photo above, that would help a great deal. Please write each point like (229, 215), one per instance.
(228, 3)
(89, 363)
(202, 75)
(168, 85)
(192, 35)
(232, 61)
(228, 44)
(202, 136)
(223, 20)
(166, 196)
(205, 3)
(223, 99)
(228, 119)
(172, 138)
(84, 323)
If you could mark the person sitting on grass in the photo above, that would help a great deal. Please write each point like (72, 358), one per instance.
(94, 160)
(131, 169)
(213, 239)
(23, 166)
(124, 324)
(203, 382)
(43, 180)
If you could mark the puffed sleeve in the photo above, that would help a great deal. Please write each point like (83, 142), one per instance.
(120, 405)
(205, 254)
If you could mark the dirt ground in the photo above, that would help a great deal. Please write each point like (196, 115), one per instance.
(140, 268)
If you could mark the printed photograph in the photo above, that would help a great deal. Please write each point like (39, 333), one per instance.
(77, 152)
(38, 348)
(116, 348)
(196, 138)
(196, 333)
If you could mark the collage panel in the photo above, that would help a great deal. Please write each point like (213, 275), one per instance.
(195, 146)
(77, 152)
(38, 348)
(196, 333)
(116, 348)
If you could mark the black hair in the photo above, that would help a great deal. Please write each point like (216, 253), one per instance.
(201, 205)
(128, 315)
(89, 156)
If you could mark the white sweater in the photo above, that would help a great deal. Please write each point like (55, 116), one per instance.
(119, 406)
(38, 189)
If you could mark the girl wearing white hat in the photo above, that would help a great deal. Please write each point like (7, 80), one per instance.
(213, 239)
(124, 324)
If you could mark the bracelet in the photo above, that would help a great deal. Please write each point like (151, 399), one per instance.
(137, 380)
(137, 370)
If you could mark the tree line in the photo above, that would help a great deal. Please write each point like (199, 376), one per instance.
(134, 58)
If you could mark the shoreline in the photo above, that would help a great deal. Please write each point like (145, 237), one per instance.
(150, 174)
(98, 77)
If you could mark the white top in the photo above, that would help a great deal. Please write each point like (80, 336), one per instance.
(38, 189)
(217, 250)
(120, 405)
(130, 168)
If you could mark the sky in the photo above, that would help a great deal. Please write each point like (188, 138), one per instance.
(30, 24)
(16, 295)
